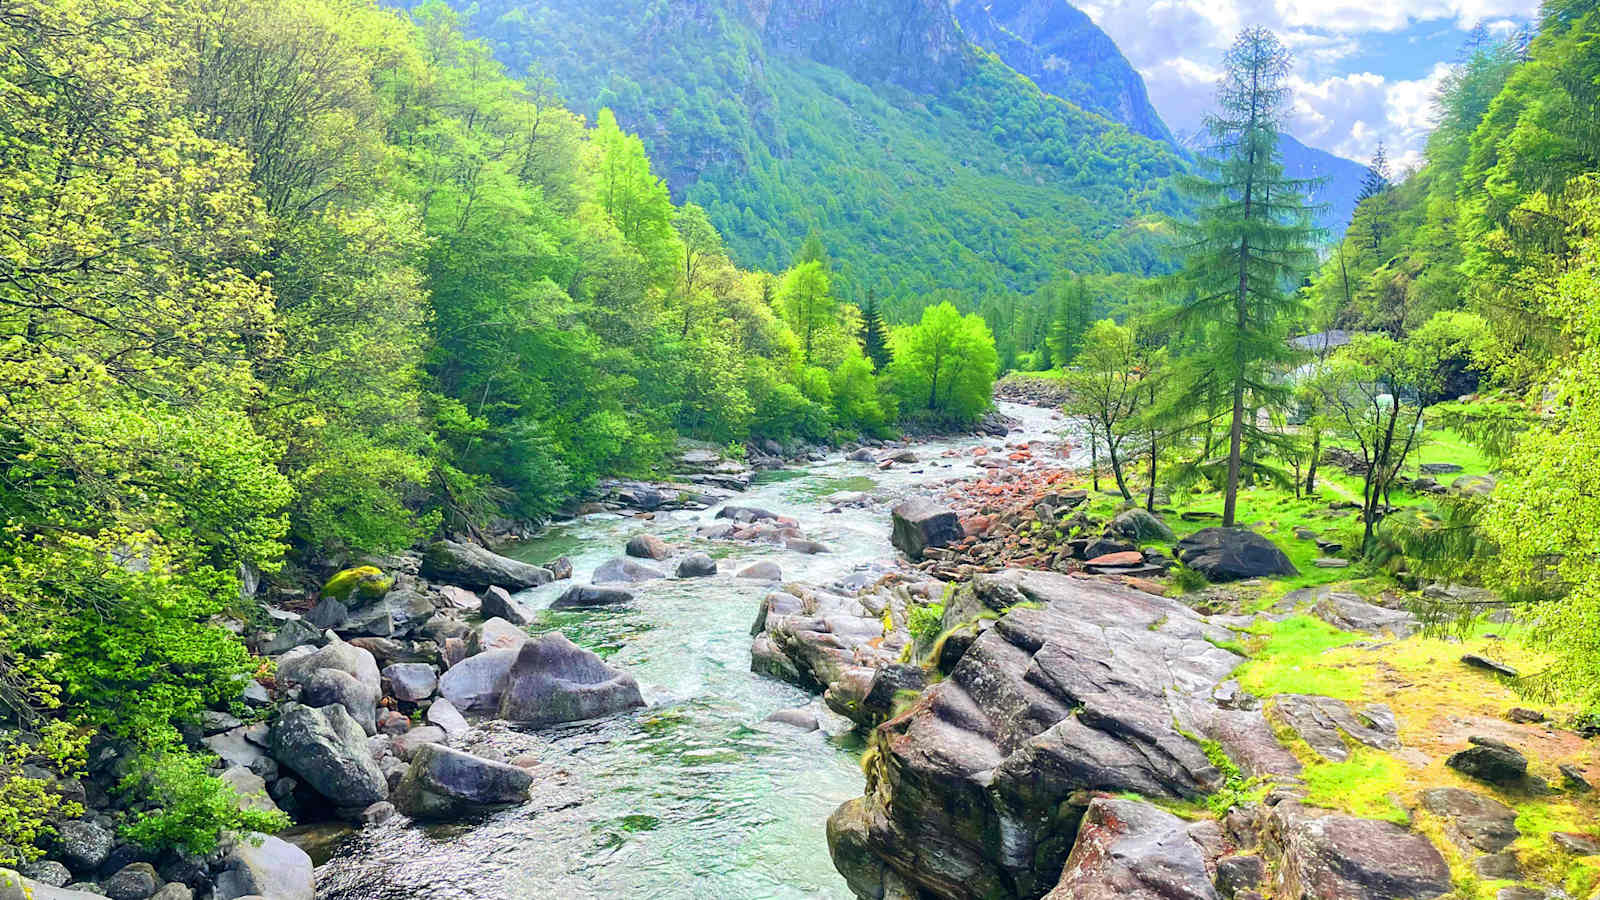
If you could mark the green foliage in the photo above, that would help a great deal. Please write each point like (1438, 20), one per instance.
(29, 805)
(192, 808)
(926, 622)
(944, 366)
(1282, 663)
(1252, 236)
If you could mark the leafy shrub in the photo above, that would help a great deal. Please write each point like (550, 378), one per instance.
(926, 622)
(193, 807)
(29, 805)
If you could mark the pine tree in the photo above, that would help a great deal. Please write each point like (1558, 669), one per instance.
(1252, 240)
(874, 339)
(1376, 179)
(1070, 317)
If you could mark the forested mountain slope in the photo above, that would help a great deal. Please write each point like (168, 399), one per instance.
(925, 160)
(1066, 54)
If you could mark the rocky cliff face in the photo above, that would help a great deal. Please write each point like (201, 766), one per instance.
(1066, 54)
(912, 43)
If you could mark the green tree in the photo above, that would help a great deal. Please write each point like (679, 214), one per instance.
(874, 337)
(806, 297)
(1105, 394)
(944, 365)
(1252, 238)
(1071, 307)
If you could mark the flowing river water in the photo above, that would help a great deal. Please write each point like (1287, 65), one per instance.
(694, 796)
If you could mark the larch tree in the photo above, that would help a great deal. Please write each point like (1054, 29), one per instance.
(1251, 241)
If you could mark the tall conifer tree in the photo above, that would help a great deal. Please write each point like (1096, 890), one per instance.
(1251, 241)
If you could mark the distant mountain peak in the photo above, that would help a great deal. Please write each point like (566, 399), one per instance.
(912, 43)
(1066, 54)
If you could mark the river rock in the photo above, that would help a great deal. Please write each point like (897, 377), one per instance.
(475, 567)
(1140, 526)
(15, 887)
(459, 598)
(1131, 850)
(328, 749)
(339, 655)
(1331, 856)
(499, 604)
(135, 881)
(1232, 554)
(477, 682)
(263, 866)
(585, 595)
(406, 745)
(444, 784)
(560, 567)
(332, 686)
(625, 571)
(411, 682)
(1472, 819)
(762, 571)
(647, 546)
(84, 846)
(495, 634)
(920, 524)
(46, 871)
(1082, 686)
(250, 788)
(554, 680)
(443, 713)
(745, 513)
(697, 565)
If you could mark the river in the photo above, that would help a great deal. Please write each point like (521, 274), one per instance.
(693, 797)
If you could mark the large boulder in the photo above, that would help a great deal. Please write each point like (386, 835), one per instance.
(472, 566)
(449, 784)
(920, 524)
(647, 546)
(1232, 554)
(1491, 760)
(260, 865)
(348, 658)
(411, 682)
(1131, 850)
(555, 680)
(83, 846)
(1080, 686)
(328, 749)
(697, 565)
(584, 595)
(625, 571)
(1330, 856)
(327, 687)
(499, 604)
(1140, 526)
(477, 682)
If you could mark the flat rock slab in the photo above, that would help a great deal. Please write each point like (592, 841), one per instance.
(1472, 819)
(1327, 724)
(1351, 613)
(1330, 856)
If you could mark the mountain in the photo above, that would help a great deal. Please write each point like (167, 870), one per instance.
(1341, 182)
(924, 161)
(1066, 54)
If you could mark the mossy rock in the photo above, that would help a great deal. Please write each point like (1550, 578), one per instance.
(368, 582)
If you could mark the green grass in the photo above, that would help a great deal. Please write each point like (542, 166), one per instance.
(1364, 785)
(1286, 659)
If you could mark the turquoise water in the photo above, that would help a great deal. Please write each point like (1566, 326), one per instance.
(693, 797)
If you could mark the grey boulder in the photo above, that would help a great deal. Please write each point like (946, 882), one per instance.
(697, 565)
(260, 865)
(447, 784)
(623, 570)
(328, 687)
(411, 682)
(920, 524)
(477, 682)
(582, 595)
(328, 749)
(1233, 554)
(554, 680)
(472, 566)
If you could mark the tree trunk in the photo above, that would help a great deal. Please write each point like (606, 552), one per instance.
(1094, 459)
(1230, 500)
(1316, 451)
(1150, 492)
(1116, 470)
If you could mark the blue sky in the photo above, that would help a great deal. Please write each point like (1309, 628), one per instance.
(1365, 70)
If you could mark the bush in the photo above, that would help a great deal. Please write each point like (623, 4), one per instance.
(28, 805)
(926, 622)
(193, 807)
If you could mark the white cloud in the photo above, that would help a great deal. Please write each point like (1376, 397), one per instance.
(1339, 104)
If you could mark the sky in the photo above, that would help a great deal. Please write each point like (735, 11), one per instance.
(1365, 70)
